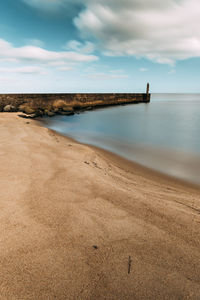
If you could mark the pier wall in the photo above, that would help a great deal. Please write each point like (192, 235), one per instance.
(42, 102)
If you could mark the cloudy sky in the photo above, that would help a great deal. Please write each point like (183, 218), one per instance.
(99, 45)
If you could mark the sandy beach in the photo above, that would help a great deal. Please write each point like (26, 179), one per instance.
(80, 223)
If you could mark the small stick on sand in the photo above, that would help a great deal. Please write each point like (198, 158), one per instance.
(129, 264)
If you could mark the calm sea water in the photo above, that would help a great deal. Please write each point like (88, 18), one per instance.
(163, 135)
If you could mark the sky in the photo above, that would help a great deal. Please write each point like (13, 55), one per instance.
(99, 46)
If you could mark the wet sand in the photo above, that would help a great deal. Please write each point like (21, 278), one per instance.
(80, 223)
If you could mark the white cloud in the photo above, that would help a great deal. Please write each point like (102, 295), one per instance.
(77, 46)
(143, 69)
(24, 70)
(162, 31)
(60, 63)
(116, 71)
(53, 6)
(40, 55)
(107, 76)
(47, 5)
(6, 79)
(65, 68)
(35, 42)
(172, 71)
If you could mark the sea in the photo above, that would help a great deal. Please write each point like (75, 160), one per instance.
(163, 135)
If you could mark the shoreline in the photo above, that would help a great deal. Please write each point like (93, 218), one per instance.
(131, 164)
(76, 219)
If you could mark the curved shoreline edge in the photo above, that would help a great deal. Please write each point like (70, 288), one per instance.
(81, 223)
(131, 165)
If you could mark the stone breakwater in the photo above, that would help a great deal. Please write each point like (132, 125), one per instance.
(34, 105)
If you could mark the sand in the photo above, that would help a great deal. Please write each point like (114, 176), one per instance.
(79, 223)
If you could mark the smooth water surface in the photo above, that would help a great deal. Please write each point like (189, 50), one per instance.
(163, 135)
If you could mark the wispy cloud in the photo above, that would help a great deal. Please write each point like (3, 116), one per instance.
(24, 70)
(116, 71)
(143, 69)
(35, 42)
(106, 76)
(40, 55)
(86, 47)
(172, 71)
(65, 69)
(55, 7)
(46, 5)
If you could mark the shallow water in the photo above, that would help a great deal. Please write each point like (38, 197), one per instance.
(162, 135)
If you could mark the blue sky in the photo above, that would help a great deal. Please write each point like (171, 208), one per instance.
(99, 45)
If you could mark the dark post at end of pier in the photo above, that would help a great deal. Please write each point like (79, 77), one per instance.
(147, 89)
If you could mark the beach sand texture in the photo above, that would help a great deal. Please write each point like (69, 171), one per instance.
(79, 223)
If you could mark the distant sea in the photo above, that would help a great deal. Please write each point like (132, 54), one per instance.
(163, 135)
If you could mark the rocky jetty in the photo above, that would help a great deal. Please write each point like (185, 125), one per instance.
(35, 105)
